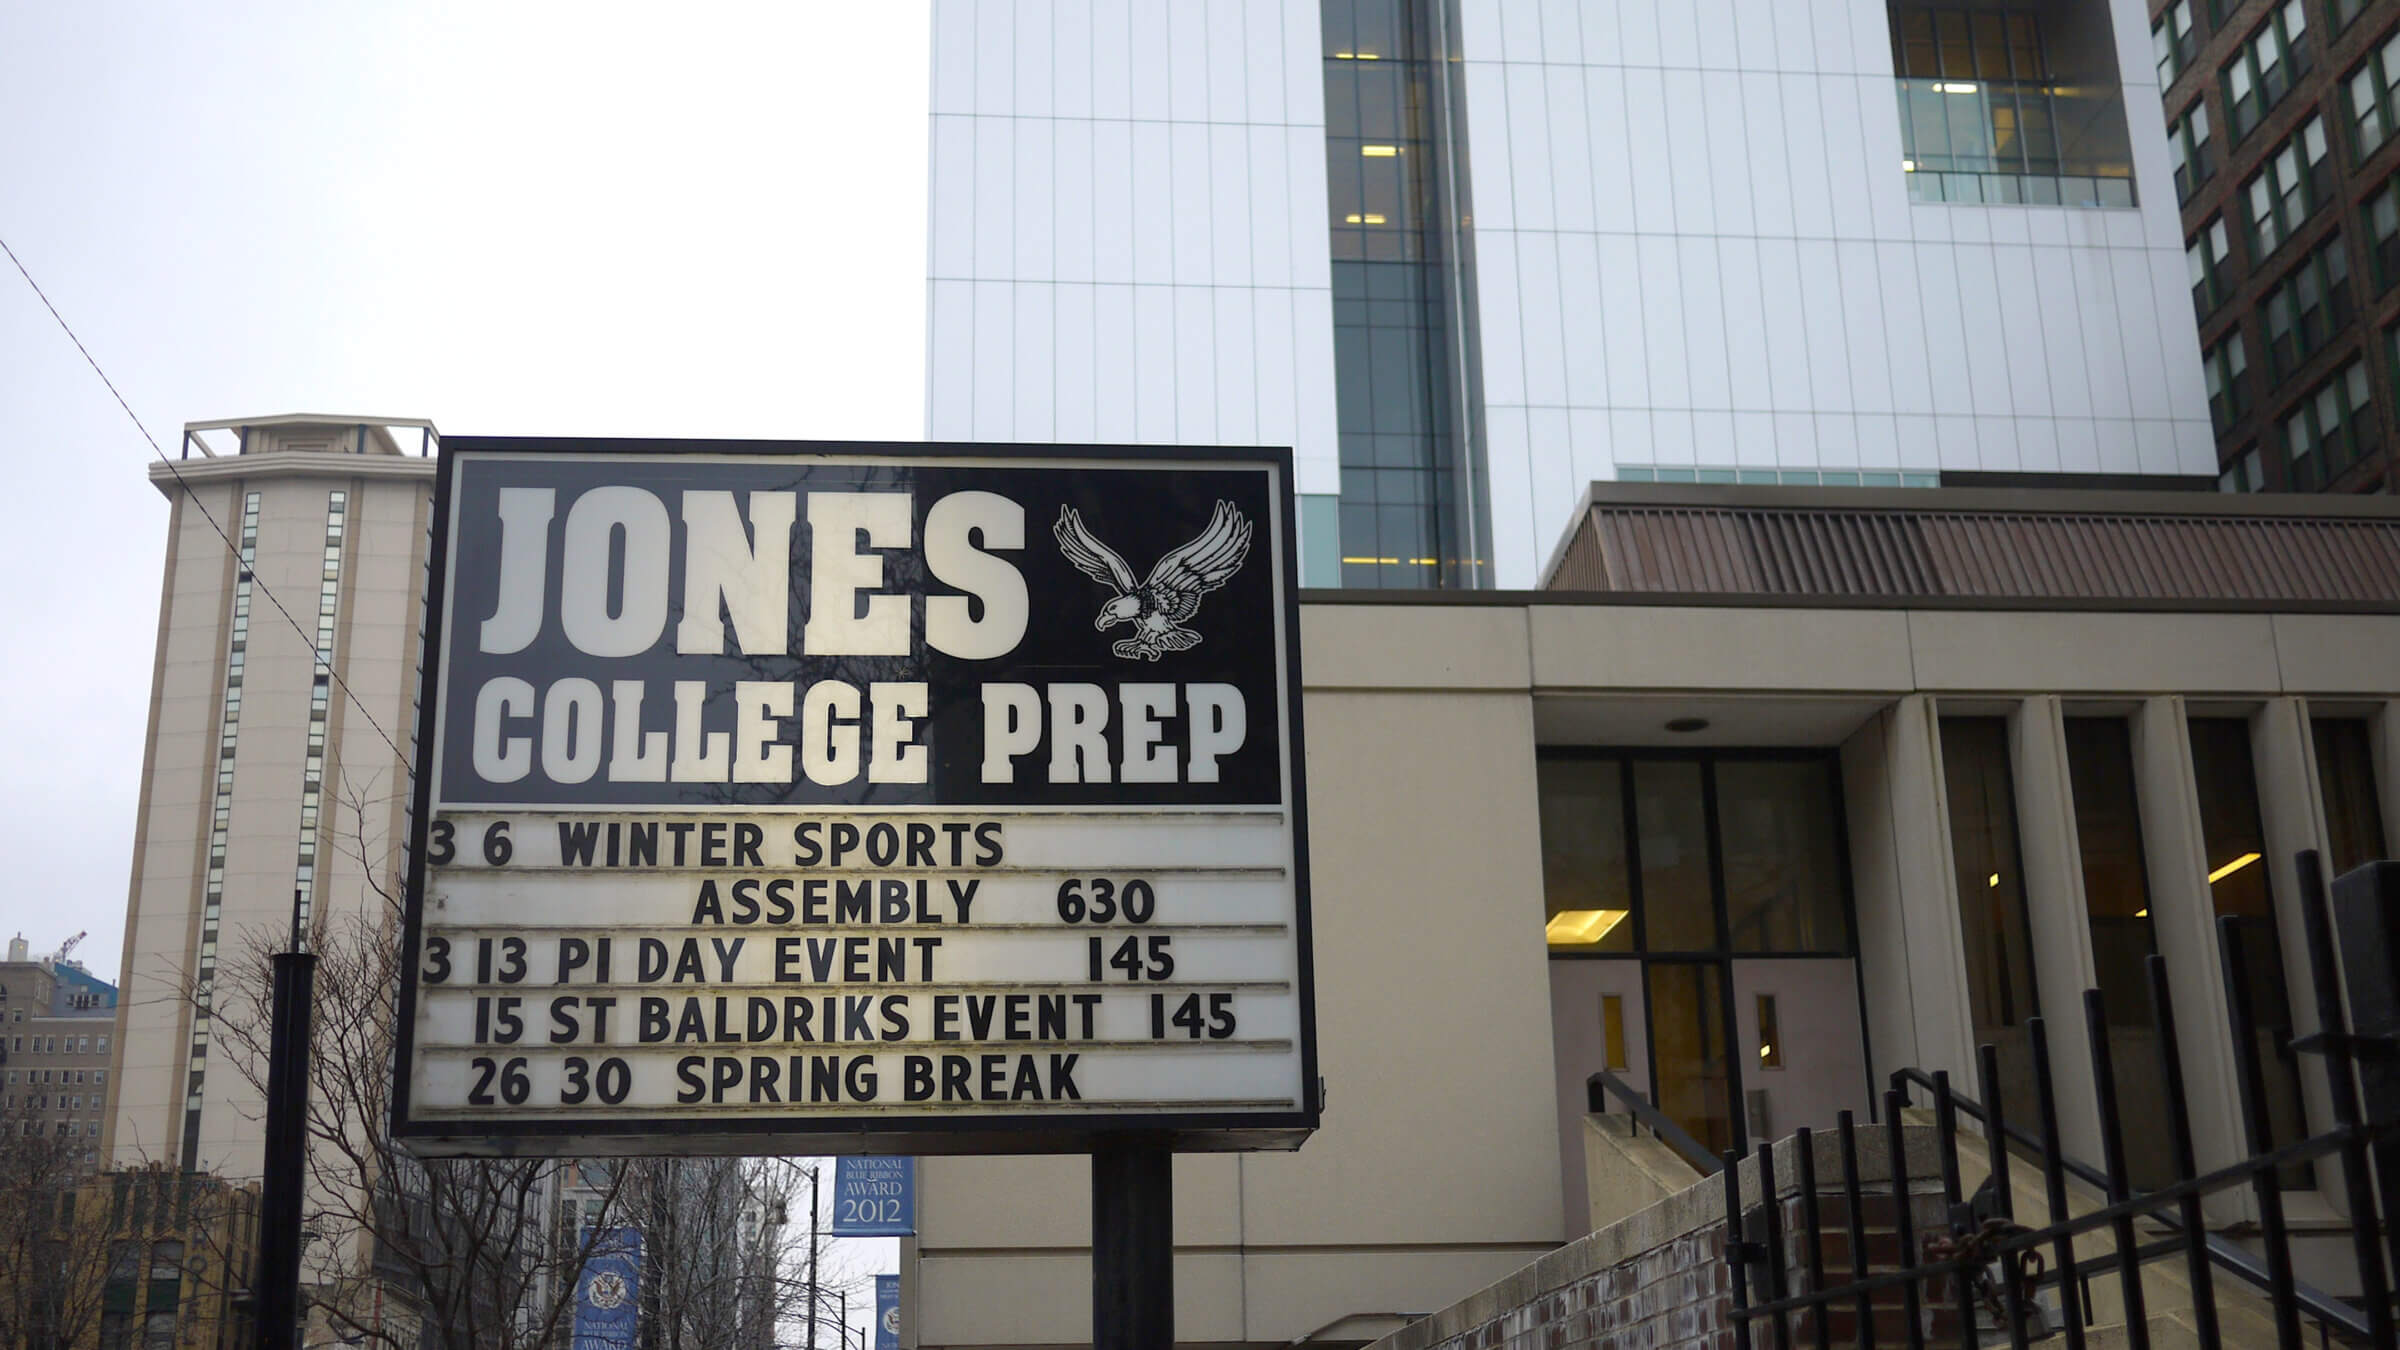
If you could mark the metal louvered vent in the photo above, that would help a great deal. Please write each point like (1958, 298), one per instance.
(2178, 555)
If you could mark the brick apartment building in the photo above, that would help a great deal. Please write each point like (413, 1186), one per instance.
(2283, 127)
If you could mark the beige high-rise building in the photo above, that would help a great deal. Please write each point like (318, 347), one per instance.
(269, 796)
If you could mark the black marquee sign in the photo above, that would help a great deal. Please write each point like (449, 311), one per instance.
(833, 797)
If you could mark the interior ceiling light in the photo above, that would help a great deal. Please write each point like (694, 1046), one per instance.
(1582, 927)
(1683, 726)
(1379, 151)
(1908, 166)
(1955, 88)
(2232, 867)
(1995, 878)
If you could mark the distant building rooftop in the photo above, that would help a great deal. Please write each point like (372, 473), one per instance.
(310, 431)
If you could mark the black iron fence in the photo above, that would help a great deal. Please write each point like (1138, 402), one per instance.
(1980, 1274)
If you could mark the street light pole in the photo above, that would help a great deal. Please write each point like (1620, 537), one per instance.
(812, 1257)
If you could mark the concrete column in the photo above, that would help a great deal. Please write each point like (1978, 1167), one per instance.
(1867, 772)
(2061, 931)
(2184, 921)
(1911, 957)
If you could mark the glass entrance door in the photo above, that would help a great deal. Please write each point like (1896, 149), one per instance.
(1708, 895)
(1693, 1081)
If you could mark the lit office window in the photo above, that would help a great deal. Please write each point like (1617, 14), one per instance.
(1764, 828)
(2188, 147)
(1587, 893)
(2296, 181)
(2309, 306)
(2264, 68)
(2330, 430)
(1993, 922)
(2234, 837)
(2227, 366)
(1986, 118)
(2373, 93)
(2346, 778)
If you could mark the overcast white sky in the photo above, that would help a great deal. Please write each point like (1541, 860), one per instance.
(702, 220)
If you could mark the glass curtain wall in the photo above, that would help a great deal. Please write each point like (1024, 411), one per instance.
(2235, 837)
(1403, 520)
(1992, 918)
(2116, 899)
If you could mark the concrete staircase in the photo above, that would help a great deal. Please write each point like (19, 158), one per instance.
(1653, 1274)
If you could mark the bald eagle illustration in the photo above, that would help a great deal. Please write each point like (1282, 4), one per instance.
(1157, 607)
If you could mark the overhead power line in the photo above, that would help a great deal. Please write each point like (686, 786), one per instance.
(256, 583)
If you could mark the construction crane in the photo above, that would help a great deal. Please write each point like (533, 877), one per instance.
(69, 945)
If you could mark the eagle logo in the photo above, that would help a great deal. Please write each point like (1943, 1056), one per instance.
(607, 1291)
(1157, 607)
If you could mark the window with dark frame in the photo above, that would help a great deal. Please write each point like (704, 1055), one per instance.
(2383, 233)
(2295, 181)
(1686, 863)
(2227, 367)
(2346, 780)
(2264, 69)
(2208, 253)
(2116, 899)
(2372, 92)
(2233, 835)
(1995, 925)
(2188, 148)
(2328, 431)
(1985, 119)
(2309, 306)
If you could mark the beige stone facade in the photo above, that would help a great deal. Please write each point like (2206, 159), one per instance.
(1451, 1147)
(266, 787)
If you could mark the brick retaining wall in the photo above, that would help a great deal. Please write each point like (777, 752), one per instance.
(1658, 1280)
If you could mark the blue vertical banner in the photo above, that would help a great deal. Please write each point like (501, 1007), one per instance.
(874, 1197)
(608, 1293)
(887, 1312)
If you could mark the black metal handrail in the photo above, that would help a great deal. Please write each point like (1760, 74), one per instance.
(1603, 1084)
(2318, 1304)
(1980, 1260)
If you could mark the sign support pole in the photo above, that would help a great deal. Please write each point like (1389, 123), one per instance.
(277, 1283)
(1133, 1243)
